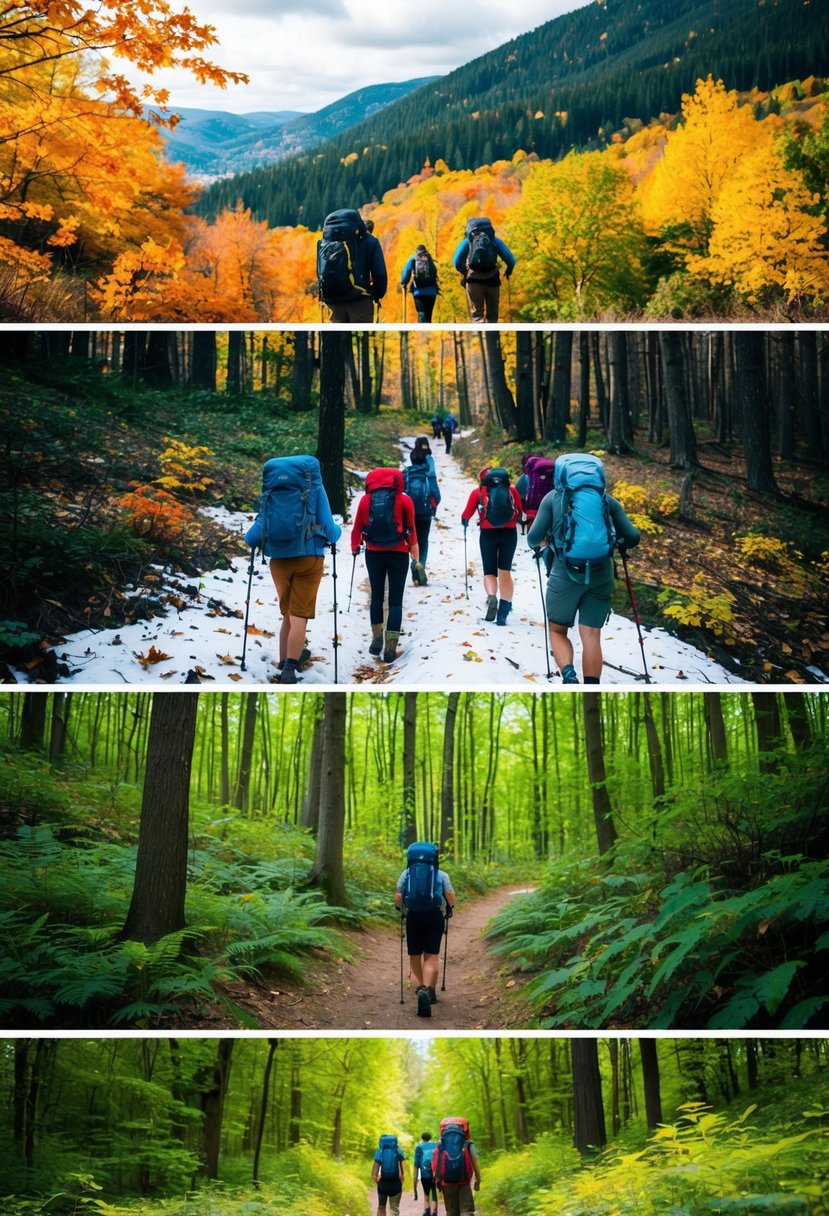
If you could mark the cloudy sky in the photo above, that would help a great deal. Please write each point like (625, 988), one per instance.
(303, 54)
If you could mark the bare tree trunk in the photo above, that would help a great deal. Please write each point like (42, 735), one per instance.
(327, 872)
(597, 775)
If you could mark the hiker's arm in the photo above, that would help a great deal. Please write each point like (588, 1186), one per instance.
(379, 275)
(471, 506)
(628, 535)
(542, 526)
(375, 1171)
(360, 516)
(506, 254)
(253, 536)
(459, 259)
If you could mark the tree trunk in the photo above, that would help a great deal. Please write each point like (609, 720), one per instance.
(408, 826)
(33, 721)
(558, 415)
(242, 794)
(589, 1133)
(327, 872)
(447, 789)
(334, 349)
(716, 729)
(504, 403)
(263, 1109)
(212, 1105)
(203, 361)
(650, 1082)
(755, 420)
(235, 363)
(597, 775)
(157, 906)
(525, 403)
(302, 373)
(680, 426)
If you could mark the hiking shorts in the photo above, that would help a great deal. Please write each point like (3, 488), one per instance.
(424, 931)
(393, 1197)
(297, 581)
(458, 1200)
(429, 1188)
(568, 594)
(498, 548)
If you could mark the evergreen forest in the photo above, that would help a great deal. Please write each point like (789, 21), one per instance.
(228, 1127)
(179, 859)
(130, 452)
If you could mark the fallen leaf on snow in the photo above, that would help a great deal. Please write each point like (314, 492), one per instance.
(226, 658)
(152, 656)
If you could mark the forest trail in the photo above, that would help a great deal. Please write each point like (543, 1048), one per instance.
(444, 643)
(364, 993)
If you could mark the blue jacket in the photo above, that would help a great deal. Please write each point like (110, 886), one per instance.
(304, 512)
(462, 252)
(426, 289)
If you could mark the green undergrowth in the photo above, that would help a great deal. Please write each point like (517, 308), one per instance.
(300, 1182)
(772, 1158)
(717, 916)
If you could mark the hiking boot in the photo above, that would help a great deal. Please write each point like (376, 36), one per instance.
(376, 644)
(433, 996)
(504, 609)
(390, 653)
(288, 672)
(419, 574)
(424, 1005)
(568, 674)
(304, 656)
(491, 607)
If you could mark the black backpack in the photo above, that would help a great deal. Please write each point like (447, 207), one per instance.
(424, 271)
(482, 256)
(416, 484)
(497, 506)
(341, 257)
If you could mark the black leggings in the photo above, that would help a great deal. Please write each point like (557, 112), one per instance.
(423, 524)
(498, 548)
(383, 564)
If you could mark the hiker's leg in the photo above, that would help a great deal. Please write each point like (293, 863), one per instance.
(492, 295)
(488, 541)
(360, 311)
(297, 633)
(561, 646)
(301, 604)
(430, 970)
(466, 1200)
(397, 568)
(416, 968)
(376, 568)
(425, 308)
(591, 651)
(450, 1200)
(476, 299)
(381, 1204)
(394, 1203)
(423, 524)
(507, 542)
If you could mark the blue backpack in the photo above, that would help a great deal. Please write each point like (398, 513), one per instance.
(421, 888)
(389, 1157)
(427, 1151)
(289, 496)
(416, 483)
(452, 1157)
(583, 534)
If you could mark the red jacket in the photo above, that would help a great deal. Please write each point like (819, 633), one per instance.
(474, 504)
(404, 512)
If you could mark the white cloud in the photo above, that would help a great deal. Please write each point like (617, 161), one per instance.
(304, 54)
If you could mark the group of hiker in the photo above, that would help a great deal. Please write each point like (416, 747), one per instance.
(449, 1166)
(352, 279)
(572, 524)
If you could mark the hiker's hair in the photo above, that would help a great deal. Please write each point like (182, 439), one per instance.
(426, 1135)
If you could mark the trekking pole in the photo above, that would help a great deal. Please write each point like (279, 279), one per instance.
(402, 923)
(247, 608)
(509, 300)
(405, 302)
(623, 556)
(543, 614)
(465, 567)
(445, 946)
(351, 584)
(334, 575)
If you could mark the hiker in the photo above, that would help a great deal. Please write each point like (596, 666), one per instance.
(424, 1153)
(423, 274)
(448, 426)
(456, 1166)
(388, 1171)
(436, 423)
(293, 527)
(385, 523)
(581, 524)
(421, 484)
(476, 258)
(498, 508)
(535, 481)
(427, 894)
(351, 269)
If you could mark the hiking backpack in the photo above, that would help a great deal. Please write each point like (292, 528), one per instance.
(389, 1157)
(289, 486)
(416, 485)
(424, 271)
(496, 504)
(583, 534)
(540, 471)
(384, 527)
(452, 1160)
(421, 888)
(427, 1151)
(482, 255)
(340, 257)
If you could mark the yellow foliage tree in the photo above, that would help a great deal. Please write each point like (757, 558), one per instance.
(763, 237)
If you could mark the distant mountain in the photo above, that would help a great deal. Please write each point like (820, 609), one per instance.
(214, 143)
(570, 83)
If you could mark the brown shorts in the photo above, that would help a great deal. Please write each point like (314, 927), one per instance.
(297, 581)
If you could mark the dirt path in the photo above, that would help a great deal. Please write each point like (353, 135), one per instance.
(409, 1206)
(364, 994)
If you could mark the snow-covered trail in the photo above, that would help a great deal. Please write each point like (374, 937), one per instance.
(445, 641)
